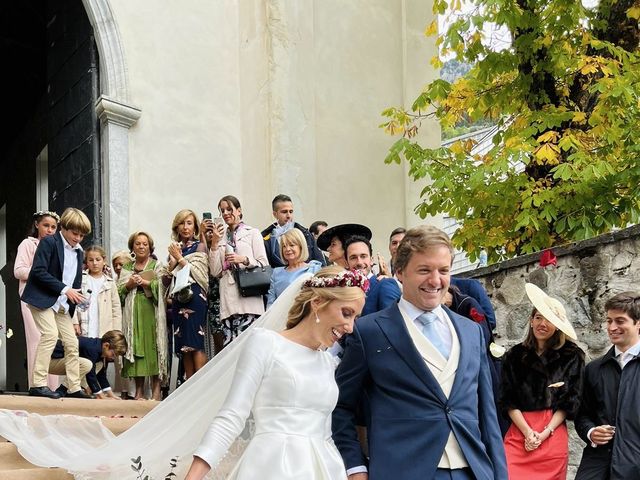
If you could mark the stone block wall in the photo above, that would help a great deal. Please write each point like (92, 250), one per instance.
(586, 275)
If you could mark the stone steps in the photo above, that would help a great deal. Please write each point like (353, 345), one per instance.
(116, 415)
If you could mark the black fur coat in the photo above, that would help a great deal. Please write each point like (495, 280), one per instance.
(550, 381)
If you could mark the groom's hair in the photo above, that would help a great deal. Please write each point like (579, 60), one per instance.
(420, 239)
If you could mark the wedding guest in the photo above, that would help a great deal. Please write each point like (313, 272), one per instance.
(117, 262)
(238, 246)
(394, 240)
(333, 239)
(293, 252)
(189, 306)
(282, 209)
(52, 292)
(44, 224)
(541, 382)
(143, 318)
(608, 419)
(318, 227)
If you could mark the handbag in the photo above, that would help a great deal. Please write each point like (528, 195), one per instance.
(253, 281)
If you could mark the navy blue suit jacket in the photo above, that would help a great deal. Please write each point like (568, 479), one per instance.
(473, 288)
(410, 416)
(381, 295)
(45, 279)
(91, 349)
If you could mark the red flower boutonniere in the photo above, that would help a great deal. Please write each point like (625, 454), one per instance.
(476, 316)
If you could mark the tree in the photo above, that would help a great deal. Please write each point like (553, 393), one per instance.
(565, 95)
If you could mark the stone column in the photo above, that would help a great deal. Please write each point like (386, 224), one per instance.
(115, 120)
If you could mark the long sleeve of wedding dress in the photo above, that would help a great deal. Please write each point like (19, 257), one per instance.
(252, 366)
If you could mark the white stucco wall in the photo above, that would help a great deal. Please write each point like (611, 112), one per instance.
(259, 97)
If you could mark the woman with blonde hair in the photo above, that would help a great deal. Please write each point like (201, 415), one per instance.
(189, 306)
(293, 252)
(144, 321)
(286, 379)
(540, 389)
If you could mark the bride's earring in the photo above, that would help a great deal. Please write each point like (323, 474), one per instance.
(317, 318)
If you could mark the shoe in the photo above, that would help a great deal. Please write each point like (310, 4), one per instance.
(43, 392)
(78, 394)
(62, 390)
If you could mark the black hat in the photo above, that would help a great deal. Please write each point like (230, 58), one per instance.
(343, 232)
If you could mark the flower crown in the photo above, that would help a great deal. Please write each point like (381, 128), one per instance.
(47, 213)
(348, 278)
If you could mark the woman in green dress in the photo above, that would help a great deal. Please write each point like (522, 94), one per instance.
(144, 317)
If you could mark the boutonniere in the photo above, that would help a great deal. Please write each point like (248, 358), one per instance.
(496, 350)
(476, 316)
(555, 385)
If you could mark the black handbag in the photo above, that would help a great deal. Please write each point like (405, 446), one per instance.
(253, 281)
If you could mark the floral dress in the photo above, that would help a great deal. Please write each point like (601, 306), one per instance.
(189, 319)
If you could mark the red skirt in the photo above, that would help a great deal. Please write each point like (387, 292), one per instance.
(547, 462)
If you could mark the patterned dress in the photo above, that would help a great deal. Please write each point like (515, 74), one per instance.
(189, 319)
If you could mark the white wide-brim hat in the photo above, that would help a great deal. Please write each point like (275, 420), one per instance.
(551, 309)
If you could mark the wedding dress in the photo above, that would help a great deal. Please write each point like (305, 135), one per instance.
(291, 406)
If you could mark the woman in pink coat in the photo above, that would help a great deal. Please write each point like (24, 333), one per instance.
(234, 246)
(44, 224)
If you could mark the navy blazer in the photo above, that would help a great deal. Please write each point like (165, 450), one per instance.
(473, 288)
(410, 416)
(45, 279)
(91, 349)
(382, 294)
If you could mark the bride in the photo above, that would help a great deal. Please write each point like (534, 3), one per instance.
(283, 378)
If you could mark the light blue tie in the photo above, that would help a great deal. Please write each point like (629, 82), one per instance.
(428, 321)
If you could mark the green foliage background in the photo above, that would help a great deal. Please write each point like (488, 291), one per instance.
(566, 97)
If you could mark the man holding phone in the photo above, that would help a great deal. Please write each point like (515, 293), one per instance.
(608, 419)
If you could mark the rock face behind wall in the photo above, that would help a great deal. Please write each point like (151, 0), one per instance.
(587, 274)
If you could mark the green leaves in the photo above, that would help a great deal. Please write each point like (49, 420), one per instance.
(564, 164)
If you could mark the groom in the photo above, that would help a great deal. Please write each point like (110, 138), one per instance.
(424, 373)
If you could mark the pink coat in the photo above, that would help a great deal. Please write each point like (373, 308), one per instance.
(249, 243)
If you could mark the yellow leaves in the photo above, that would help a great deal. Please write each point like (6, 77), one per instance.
(432, 29)
(547, 153)
(589, 68)
(634, 12)
(579, 117)
(436, 62)
(550, 136)
(589, 65)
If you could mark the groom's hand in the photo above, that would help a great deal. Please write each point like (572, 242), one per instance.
(359, 476)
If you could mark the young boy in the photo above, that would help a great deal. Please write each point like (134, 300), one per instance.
(52, 292)
(608, 419)
(95, 354)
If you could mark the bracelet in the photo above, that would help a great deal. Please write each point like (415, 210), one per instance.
(551, 430)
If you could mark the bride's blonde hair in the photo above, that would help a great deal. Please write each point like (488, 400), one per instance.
(302, 304)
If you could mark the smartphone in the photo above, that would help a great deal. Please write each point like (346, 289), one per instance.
(218, 221)
(206, 216)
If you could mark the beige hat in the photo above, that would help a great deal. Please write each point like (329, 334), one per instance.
(551, 309)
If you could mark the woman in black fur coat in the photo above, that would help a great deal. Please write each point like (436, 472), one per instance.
(541, 382)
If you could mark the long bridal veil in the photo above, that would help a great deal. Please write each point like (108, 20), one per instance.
(158, 445)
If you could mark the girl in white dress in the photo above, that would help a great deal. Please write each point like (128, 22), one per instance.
(286, 380)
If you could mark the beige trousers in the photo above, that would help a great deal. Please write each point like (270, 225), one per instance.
(57, 367)
(51, 326)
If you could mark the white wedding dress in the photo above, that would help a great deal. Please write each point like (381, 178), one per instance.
(289, 388)
(291, 392)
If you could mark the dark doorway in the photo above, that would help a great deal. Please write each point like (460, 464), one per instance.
(49, 146)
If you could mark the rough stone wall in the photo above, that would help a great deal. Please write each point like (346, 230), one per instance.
(587, 274)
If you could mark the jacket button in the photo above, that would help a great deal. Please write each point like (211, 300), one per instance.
(448, 410)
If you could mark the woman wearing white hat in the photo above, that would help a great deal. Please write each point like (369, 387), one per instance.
(541, 381)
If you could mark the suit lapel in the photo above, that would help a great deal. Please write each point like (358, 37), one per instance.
(60, 249)
(392, 325)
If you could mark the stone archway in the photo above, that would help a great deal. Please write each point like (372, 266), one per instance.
(117, 115)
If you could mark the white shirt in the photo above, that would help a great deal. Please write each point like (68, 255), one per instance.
(93, 317)
(68, 273)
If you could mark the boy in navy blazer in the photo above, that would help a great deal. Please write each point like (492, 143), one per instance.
(52, 292)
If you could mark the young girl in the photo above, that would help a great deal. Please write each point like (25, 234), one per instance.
(104, 312)
(44, 224)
